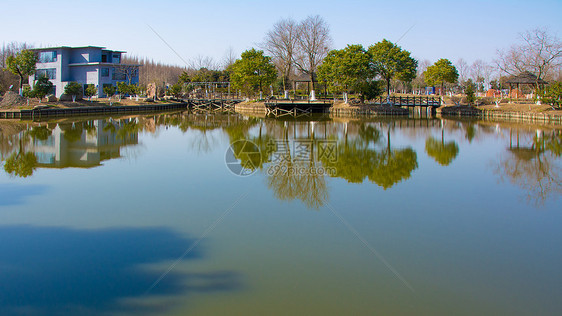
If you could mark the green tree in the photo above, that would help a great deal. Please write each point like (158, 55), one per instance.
(553, 94)
(74, 89)
(22, 64)
(42, 87)
(90, 91)
(392, 62)
(440, 72)
(133, 89)
(176, 90)
(253, 72)
(469, 91)
(348, 69)
(123, 88)
(109, 90)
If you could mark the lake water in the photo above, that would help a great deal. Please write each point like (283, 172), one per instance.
(161, 215)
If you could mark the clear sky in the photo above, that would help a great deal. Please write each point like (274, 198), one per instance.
(441, 29)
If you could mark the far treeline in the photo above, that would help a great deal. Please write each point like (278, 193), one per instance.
(296, 58)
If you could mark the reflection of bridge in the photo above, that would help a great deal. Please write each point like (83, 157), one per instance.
(212, 105)
(279, 108)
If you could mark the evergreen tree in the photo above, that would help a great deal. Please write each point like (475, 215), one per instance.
(440, 72)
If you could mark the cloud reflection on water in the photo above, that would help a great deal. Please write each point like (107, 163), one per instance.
(51, 270)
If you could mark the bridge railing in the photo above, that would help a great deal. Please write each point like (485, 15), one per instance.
(305, 101)
(411, 101)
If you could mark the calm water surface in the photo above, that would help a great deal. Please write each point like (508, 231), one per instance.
(143, 215)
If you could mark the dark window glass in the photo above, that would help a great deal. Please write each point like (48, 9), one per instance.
(47, 57)
(105, 72)
(119, 75)
(50, 73)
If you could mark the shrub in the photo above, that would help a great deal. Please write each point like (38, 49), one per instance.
(109, 90)
(553, 94)
(42, 87)
(90, 91)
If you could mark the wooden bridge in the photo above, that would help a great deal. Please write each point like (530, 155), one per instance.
(426, 101)
(280, 108)
(212, 105)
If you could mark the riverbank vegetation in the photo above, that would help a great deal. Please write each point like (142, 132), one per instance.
(296, 60)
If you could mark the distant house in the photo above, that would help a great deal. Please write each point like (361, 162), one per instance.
(85, 65)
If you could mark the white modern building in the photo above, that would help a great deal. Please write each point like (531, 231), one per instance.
(85, 65)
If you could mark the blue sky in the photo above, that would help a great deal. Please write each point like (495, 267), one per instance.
(441, 29)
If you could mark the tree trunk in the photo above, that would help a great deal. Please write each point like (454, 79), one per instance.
(388, 91)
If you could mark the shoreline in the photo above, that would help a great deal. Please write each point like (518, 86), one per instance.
(91, 110)
(258, 109)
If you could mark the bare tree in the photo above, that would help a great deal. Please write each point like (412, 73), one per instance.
(155, 72)
(313, 44)
(462, 68)
(126, 71)
(281, 43)
(229, 58)
(419, 81)
(537, 52)
(480, 72)
(204, 62)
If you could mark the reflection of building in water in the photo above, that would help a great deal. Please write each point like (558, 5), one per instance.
(87, 147)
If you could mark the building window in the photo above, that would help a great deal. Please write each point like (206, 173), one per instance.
(105, 72)
(47, 57)
(116, 58)
(104, 58)
(50, 73)
(119, 74)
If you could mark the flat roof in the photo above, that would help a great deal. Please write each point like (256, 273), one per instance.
(78, 47)
(101, 63)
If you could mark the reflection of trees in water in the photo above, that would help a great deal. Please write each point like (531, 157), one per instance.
(291, 178)
(362, 158)
(41, 133)
(72, 131)
(443, 153)
(393, 166)
(202, 124)
(9, 136)
(21, 163)
(38, 144)
(535, 168)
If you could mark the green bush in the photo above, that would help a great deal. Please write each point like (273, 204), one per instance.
(91, 90)
(552, 95)
(42, 87)
(73, 88)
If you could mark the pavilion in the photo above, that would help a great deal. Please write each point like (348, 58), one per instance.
(524, 78)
